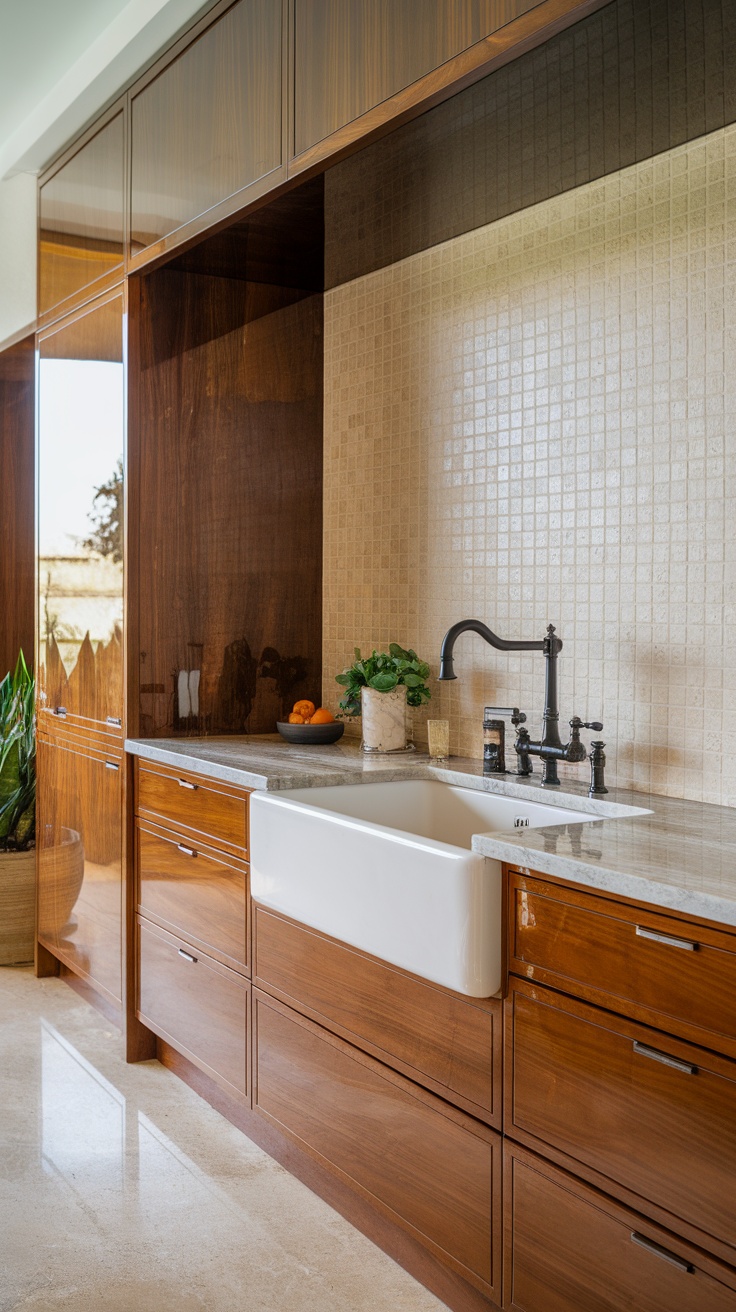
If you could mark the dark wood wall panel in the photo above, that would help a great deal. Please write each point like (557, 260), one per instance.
(634, 79)
(352, 54)
(17, 498)
(229, 437)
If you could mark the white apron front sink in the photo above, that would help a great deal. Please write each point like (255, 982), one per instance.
(388, 867)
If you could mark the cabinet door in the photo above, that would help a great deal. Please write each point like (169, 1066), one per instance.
(81, 217)
(80, 837)
(210, 123)
(80, 515)
(353, 54)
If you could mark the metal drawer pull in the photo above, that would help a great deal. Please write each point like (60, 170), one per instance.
(111, 765)
(187, 956)
(659, 1251)
(654, 1054)
(60, 710)
(114, 719)
(669, 939)
(188, 851)
(184, 783)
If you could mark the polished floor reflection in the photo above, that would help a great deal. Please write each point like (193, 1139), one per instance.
(122, 1191)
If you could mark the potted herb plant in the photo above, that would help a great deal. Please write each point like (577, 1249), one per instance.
(17, 816)
(380, 687)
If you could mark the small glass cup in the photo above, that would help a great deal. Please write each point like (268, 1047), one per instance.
(438, 732)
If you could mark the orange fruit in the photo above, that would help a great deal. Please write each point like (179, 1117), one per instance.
(303, 708)
(322, 716)
(296, 719)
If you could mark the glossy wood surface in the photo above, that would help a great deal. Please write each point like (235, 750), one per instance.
(205, 808)
(80, 547)
(445, 1041)
(195, 892)
(352, 54)
(17, 503)
(588, 945)
(598, 1088)
(228, 438)
(570, 1249)
(208, 124)
(199, 1006)
(428, 1166)
(80, 880)
(81, 213)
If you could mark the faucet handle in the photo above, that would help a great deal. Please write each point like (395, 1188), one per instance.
(516, 716)
(576, 724)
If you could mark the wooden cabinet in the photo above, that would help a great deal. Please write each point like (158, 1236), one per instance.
(17, 503)
(80, 517)
(571, 1249)
(449, 1043)
(209, 124)
(196, 1004)
(649, 966)
(648, 1112)
(350, 55)
(79, 836)
(204, 808)
(81, 208)
(428, 1167)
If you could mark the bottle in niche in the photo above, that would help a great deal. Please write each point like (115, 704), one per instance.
(494, 731)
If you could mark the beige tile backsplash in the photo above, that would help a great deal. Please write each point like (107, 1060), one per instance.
(534, 423)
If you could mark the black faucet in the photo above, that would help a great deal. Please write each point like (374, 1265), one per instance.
(550, 749)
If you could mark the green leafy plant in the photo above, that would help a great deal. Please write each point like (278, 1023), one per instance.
(17, 760)
(383, 671)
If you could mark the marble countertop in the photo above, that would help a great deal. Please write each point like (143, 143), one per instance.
(671, 853)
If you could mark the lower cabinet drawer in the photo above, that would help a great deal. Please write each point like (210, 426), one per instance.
(196, 1004)
(450, 1043)
(425, 1165)
(656, 1115)
(571, 1249)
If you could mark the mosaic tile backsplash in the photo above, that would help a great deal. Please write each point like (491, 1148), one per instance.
(533, 423)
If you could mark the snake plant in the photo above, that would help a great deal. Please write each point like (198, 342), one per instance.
(17, 760)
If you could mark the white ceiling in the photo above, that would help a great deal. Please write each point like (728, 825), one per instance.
(61, 61)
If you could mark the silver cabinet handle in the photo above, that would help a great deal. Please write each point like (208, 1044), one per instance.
(114, 719)
(642, 1050)
(668, 939)
(659, 1251)
(187, 956)
(188, 851)
(60, 710)
(111, 765)
(184, 783)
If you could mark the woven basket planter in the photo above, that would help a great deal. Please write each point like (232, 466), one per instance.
(17, 907)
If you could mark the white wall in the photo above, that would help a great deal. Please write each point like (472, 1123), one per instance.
(17, 253)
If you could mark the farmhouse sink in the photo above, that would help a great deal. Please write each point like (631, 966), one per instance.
(388, 867)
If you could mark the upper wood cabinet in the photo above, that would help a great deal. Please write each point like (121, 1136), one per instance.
(210, 123)
(81, 210)
(352, 54)
(80, 507)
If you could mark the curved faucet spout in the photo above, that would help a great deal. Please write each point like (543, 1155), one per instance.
(447, 669)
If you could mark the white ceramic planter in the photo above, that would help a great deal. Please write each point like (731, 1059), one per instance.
(384, 717)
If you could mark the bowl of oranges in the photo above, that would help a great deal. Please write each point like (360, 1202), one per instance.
(308, 723)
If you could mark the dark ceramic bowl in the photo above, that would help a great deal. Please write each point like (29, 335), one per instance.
(311, 733)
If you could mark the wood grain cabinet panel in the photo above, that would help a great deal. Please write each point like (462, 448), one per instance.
(80, 515)
(353, 54)
(448, 1042)
(675, 975)
(195, 1004)
(17, 502)
(426, 1166)
(208, 124)
(204, 807)
(195, 892)
(570, 1249)
(79, 827)
(81, 211)
(656, 1115)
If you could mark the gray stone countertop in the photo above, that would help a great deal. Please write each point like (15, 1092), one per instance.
(672, 853)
